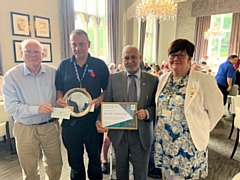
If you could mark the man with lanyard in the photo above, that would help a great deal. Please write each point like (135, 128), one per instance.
(82, 71)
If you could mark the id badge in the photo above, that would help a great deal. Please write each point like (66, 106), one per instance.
(166, 113)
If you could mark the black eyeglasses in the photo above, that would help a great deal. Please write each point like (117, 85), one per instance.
(180, 56)
(32, 52)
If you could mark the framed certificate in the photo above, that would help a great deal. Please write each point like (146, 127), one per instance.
(78, 101)
(119, 115)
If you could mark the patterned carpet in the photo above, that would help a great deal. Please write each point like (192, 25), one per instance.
(221, 167)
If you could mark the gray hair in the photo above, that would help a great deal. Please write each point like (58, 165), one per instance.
(25, 42)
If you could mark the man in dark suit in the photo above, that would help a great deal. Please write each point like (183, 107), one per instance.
(132, 145)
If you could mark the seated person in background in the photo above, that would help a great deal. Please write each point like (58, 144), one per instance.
(195, 66)
(119, 68)
(157, 71)
(147, 68)
(205, 58)
(237, 82)
(111, 67)
(204, 67)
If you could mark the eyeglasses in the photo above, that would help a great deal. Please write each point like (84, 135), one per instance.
(127, 58)
(32, 52)
(180, 56)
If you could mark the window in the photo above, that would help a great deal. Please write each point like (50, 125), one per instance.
(218, 48)
(91, 17)
(149, 44)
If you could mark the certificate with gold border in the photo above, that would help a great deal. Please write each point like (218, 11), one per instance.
(78, 100)
(119, 115)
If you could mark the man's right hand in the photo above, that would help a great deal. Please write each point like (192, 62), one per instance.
(61, 103)
(45, 109)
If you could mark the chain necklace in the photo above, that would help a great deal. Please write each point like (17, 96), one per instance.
(174, 86)
(77, 74)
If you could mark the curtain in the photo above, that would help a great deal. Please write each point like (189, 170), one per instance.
(67, 26)
(157, 26)
(201, 45)
(234, 46)
(113, 17)
(142, 40)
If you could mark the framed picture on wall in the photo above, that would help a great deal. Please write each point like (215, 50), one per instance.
(42, 27)
(47, 49)
(17, 47)
(20, 24)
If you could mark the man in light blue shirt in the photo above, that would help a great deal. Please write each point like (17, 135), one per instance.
(29, 96)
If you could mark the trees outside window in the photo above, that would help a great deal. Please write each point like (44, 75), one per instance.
(91, 17)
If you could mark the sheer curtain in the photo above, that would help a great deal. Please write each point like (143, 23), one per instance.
(67, 26)
(201, 45)
(113, 16)
(142, 40)
(234, 46)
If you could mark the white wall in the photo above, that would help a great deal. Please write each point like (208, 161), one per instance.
(43, 8)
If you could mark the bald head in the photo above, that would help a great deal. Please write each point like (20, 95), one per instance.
(131, 58)
(128, 47)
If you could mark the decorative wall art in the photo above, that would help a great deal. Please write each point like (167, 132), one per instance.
(17, 47)
(42, 27)
(20, 24)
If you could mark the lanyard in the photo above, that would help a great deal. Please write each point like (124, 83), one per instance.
(77, 74)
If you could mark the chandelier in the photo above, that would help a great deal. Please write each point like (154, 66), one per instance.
(214, 32)
(162, 10)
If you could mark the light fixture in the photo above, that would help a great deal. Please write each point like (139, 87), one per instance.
(162, 10)
(215, 32)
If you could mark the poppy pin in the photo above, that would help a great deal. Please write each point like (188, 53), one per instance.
(92, 74)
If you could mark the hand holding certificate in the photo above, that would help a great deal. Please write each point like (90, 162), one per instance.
(61, 113)
(119, 115)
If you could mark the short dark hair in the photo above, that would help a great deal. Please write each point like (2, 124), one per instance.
(232, 56)
(181, 45)
(79, 32)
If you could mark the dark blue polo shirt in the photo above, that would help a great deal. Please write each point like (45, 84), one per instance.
(225, 70)
(95, 79)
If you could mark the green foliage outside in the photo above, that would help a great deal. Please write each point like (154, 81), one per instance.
(220, 48)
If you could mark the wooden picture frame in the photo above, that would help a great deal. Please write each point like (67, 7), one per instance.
(119, 115)
(42, 27)
(47, 49)
(20, 24)
(17, 47)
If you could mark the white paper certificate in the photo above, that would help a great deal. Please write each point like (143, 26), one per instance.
(119, 115)
(63, 113)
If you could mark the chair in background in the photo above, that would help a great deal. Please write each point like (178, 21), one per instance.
(232, 92)
(4, 126)
(237, 125)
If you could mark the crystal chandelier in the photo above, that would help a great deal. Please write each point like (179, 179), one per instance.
(162, 10)
(214, 32)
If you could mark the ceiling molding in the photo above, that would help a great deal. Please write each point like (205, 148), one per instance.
(131, 10)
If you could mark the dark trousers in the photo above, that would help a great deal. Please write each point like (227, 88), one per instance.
(131, 150)
(76, 134)
(224, 91)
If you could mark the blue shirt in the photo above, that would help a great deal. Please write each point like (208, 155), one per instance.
(24, 92)
(226, 70)
(94, 80)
